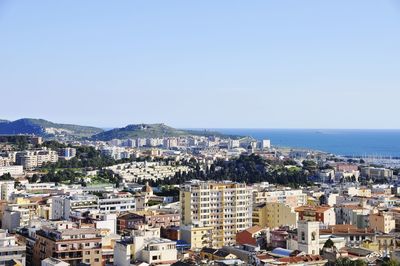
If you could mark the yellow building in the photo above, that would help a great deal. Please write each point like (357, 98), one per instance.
(274, 215)
(44, 211)
(364, 192)
(369, 244)
(30, 204)
(260, 215)
(197, 236)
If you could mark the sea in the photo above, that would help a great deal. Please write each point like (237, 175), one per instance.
(343, 142)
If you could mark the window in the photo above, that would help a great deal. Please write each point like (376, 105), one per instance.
(313, 234)
(154, 258)
(303, 236)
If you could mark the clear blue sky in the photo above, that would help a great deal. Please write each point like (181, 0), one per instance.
(264, 64)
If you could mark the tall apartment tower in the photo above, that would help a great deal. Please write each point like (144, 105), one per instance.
(226, 207)
(308, 236)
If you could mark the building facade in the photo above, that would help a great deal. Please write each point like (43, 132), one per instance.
(68, 242)
(10, 250)
(293, 198)
(274, 215)
(225, 206)
(323, 214)
(308, 237)
(383, 222)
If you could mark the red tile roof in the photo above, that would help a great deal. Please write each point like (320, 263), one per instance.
(318, 209)
(306, 258)
(254, 229)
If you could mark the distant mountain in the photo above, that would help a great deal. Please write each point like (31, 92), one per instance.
(46, 128)
(149, 131)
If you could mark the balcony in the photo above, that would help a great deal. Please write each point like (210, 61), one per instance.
(70, 256)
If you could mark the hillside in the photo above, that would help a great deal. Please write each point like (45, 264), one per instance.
(149, 131)
(44, 128)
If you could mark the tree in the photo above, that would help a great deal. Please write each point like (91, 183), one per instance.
(34, 178)
(6, 176)
(360, 263)
(22, 143)
(347, 262)
(329, 243)
(390, 262)
(323, 201)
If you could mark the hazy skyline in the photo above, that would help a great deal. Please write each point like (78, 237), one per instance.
(204, 64)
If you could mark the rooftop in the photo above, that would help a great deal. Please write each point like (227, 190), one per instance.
(312, 208)
(254, 229)
(346, 229)
(301, 259)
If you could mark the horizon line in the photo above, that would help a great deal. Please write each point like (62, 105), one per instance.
(214, 128)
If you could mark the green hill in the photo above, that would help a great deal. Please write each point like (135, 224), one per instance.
(44, 128)
(149, 131)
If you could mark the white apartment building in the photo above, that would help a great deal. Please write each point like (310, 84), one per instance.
(13, 170)
(147, 246)
(170, 143)
(100, 220)
(265, 144)
(377, 173)
(122, 201)
(140, 142)
(233, 143)
(114, 152)
(39, 186)
(14, 217)
(36, 158)
(6, 189)
(293, 198)
(62, 206)
(67, 153)
(10, 250)
(225, 206)
(154, 142)
(115, 142)
(159, 250)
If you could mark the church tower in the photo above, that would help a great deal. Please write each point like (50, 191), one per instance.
(308, 237)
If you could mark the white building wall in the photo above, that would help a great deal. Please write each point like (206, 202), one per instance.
(122, 255)
(6, 189)
(308, 237)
